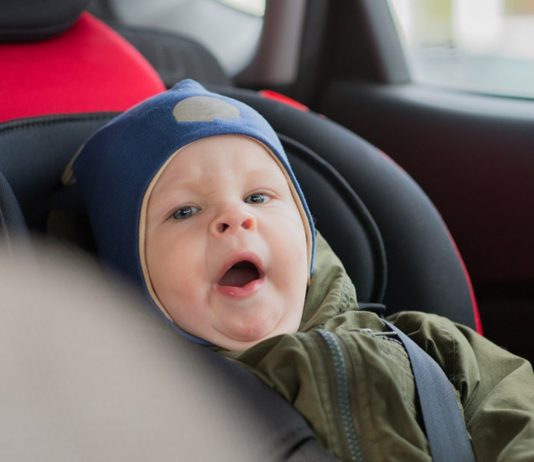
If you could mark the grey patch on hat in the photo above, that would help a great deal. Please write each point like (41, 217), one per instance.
(204, 109)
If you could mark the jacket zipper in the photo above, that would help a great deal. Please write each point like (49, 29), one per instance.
(343, 397)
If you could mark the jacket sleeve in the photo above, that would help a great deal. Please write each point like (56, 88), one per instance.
(496, 387)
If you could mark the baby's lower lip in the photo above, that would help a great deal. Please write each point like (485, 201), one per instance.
(240, 292)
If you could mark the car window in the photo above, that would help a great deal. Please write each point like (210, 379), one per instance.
(477, 45)
(230, 29)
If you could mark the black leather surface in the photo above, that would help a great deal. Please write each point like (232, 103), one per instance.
(28, 20)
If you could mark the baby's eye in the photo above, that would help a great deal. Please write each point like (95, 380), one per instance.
(257, 198)
(185, 212)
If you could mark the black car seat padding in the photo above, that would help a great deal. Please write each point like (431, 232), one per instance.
(343, 219)
(34, 153)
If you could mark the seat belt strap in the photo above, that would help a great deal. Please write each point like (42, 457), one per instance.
(443, 420)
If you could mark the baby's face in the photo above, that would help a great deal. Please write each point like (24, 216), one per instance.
(225, 244)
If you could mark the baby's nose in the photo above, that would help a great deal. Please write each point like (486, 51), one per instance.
(230, 221)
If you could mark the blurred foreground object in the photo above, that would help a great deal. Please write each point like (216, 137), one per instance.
(88, 373)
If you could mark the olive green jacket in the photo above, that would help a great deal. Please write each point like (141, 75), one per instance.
(351, 379)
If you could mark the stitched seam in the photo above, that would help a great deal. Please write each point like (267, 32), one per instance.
(24, 124)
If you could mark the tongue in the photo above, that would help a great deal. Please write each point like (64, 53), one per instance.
(239, 275)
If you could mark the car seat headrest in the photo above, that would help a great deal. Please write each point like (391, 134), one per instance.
(70, 73)
(30, 20)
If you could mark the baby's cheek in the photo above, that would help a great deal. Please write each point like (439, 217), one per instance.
(296, 238)
(289, 224)
(183, 306)
(293, 268)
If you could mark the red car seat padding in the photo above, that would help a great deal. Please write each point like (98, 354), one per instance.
(88, 68)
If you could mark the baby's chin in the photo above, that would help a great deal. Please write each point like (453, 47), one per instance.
(238, 345)
(243, 339)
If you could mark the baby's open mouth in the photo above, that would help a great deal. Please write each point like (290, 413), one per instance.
(240, 274)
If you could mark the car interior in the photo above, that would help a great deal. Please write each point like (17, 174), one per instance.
(368, 152)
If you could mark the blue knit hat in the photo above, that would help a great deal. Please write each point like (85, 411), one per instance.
(116, 166)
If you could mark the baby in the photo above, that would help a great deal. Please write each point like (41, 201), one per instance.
(191, 194)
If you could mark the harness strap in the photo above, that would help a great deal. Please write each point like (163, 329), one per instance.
(444, 423)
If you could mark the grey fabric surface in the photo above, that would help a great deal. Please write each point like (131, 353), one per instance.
(89, 374)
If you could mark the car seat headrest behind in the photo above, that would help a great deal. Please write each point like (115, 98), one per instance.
(71, 73)
(31, 20)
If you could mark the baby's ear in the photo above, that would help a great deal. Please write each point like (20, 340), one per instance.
(68, 178)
